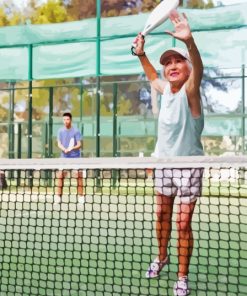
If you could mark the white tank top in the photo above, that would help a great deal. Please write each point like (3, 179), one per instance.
(179, 134)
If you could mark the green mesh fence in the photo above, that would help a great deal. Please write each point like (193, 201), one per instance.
(101, 241)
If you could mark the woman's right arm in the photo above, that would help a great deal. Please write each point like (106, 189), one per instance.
(148, 68)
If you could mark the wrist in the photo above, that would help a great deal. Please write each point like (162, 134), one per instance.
(138, 53)
(189, 42)
(141, 54)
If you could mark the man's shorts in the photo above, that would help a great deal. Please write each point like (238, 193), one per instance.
(184, 183)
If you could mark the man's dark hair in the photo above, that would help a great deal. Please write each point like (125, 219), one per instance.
(68, 114)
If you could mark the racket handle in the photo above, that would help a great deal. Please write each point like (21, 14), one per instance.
(134, 46)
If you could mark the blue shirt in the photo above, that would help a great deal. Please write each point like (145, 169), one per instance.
(179, 133)
(69, 138)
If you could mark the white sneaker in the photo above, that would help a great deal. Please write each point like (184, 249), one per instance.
(181, 287)
(156, 267)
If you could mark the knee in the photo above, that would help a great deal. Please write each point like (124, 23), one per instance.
(159, 213)
(163, 214)
(183, 226)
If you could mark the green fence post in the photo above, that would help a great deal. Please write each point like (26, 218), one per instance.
(243, 109)
(81, 102)
(173, 42)
(30, 111)
(115, 94)
(50, 137)
(114, 136)
(46, 154)
(48, 174)
(46, 139)
(30, 101)
(11, 132)
(19, 140)
(19, 150)
(98, 73)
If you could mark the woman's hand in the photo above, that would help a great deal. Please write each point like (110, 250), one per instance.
(139, 42)
(181, 26)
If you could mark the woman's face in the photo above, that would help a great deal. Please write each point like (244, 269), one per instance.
(176, 69)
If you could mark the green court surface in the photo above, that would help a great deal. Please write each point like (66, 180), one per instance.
(104, 246)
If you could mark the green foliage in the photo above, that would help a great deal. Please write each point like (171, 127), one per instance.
(201, 4)
(3, 114)
(55, 11)
(3, 18)
(51, 12)
(124, 106)
(148, 5)
(10, 14)
(16, 19)
(87, 103)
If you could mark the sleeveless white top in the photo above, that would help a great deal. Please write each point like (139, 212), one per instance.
(179, 134)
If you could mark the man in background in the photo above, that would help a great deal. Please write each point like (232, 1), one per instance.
(69, 141)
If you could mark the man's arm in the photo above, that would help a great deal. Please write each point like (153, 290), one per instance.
(59, 143)
(78, 139)
(76, 147)
(60, 146)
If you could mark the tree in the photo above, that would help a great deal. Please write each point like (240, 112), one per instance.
(148, 5)
(16, 19)
(78, 11)
(3, 18)
(219, 85)
(51, 12)
(201, 4)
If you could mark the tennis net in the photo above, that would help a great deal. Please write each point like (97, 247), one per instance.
(100, 237)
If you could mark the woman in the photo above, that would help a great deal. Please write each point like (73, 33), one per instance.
(179, 134)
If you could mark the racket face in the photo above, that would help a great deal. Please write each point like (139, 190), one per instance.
(159, 15)
(71, 143)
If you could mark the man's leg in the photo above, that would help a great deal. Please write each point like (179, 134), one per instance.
(59, 181)
(80, 183)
